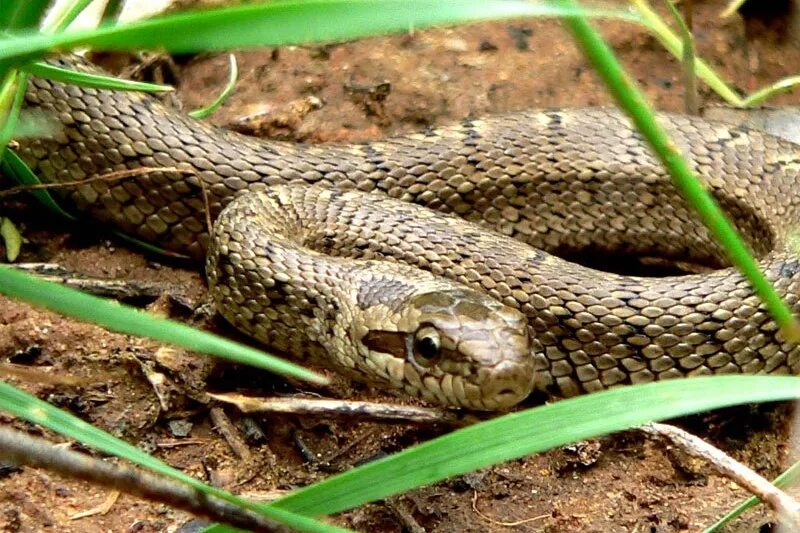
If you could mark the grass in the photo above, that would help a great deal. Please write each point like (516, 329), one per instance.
(281, 23)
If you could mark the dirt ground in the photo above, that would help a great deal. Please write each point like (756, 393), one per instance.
(354, 92)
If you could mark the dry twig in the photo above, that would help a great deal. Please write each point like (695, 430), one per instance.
(223, 424)
(377, 412)
(22, 449)
(119, 289)
(784, 505)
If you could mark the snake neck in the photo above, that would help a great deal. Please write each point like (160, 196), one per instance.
(362, 317)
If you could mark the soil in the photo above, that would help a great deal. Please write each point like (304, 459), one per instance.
(354, 92)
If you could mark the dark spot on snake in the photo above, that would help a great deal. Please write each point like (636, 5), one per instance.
(638, 136)
(376, 157)
(331, 303)
(555, 117)
(429, 131)
(277, 291)
(741, 129)
(269, 149)
(789, 269)
(471, 142)
(467, 123)
(326, 245)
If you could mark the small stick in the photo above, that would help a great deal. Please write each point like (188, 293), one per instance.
(515, 523)
(110, 176)
(22, 449)
(39, 375)
(118, 289)
(206, 206)
(786, 507)
(223, 424)
(378, 412)
(404, 516)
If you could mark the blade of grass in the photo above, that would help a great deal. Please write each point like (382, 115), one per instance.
(16, 82)
(12, 239)
(732, 7)
(32, 124)
(148, 247)
(34, 410)
(283, 23)
(22, 14)
(221, 528)
(672, 43)
(13, 167)
(64, 15)
(780, 86)
(630, 100)
(112, 12)
(8, 91)
(675, 46)
(526, 432)
(691, 102)
(128, 320)
(86, 79)
(233, 76)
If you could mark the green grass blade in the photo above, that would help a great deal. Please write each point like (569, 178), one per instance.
(233, 76)
(519, 434)
(780, 86)
(15, 168)
(12, 239)
(67, 12)
(33, 124)
(86, 79)
(631, 100)
(221, 528)
(22, 14)
(690, 98)
(12, 93)
(148, 247)
(34, 410)
(7, 12)
(732, 7)
(128, 320)
(112, 12)
(673, 44)
(283, 23)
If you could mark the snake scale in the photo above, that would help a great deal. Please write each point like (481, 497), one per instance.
(447, 284)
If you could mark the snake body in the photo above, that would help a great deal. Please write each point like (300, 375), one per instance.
(308, 260)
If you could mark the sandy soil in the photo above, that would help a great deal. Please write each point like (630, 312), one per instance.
(361, 91)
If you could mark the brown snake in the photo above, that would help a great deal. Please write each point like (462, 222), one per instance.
(407, 297)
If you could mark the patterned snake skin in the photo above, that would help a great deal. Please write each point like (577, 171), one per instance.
(328, 272)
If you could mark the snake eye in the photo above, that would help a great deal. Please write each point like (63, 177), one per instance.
(427, 345)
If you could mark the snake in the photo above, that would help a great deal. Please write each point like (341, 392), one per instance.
(436, 264)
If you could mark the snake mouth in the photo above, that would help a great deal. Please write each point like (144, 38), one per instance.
(509, 383)
(498, 390)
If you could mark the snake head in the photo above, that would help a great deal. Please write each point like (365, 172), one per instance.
(456, 347)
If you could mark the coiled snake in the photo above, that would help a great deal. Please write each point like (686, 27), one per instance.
(457, 299)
